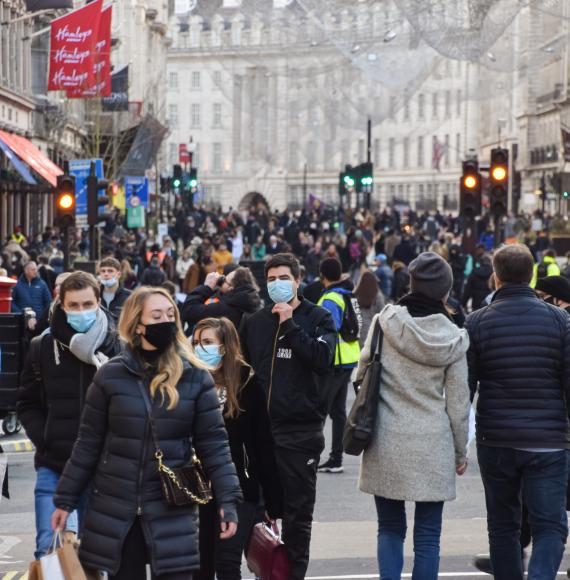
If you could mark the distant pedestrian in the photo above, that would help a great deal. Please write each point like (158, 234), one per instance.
(30, 291)
(518, 362)
(370, 300)
(385, 275)
(420, 443)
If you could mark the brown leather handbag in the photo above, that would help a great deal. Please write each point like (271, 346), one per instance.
(266, 554)
(184, 485)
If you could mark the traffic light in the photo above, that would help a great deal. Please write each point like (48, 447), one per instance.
(65, 201)
(347, 181)
(470, 190)
(193, 179)
(176, 176)
(365, 181)
(499, 177)
(94, 200)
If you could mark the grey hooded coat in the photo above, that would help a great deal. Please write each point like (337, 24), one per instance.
(423, 413)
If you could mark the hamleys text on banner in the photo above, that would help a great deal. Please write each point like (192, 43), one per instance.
(73, 43)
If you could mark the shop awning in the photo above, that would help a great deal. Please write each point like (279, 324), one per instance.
(31, 155)
(19, 166)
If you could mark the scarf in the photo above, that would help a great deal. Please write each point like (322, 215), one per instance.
(420, 306)
(82, 345)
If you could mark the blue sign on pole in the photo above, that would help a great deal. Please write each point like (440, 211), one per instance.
(80, 168)
(136, 191)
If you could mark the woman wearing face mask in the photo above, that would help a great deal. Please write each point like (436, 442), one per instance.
(116, 450)
(242, 400)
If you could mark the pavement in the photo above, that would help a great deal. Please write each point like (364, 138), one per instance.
(344, 530)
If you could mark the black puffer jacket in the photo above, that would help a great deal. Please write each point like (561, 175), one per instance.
(114, 450)
(477, 287)
(50, 408)
(251, 444)
(232, 305)
(520, 356)
(287, 360)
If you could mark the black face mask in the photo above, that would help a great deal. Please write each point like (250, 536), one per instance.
(161, 334)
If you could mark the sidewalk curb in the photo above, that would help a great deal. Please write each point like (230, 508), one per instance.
(24, 445)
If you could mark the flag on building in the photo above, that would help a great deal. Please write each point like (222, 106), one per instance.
(437, 154)
(101, 62)
(118, 100)
(566, 144)
(73, 41)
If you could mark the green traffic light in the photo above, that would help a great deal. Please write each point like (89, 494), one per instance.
(348, 180)
(193, 182)
(565, 194)
(176, 183)
(366, 181)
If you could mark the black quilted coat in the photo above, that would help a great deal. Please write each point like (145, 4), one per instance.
(520, 358)
(114, 450)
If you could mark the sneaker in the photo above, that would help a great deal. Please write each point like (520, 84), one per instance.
(330, 466)
(483, 564)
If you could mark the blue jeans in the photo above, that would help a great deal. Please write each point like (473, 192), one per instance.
(392, 529)
(541, 480)
(46, 483)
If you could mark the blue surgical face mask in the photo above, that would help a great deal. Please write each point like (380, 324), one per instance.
(81, 321)
(281, 291)
(109, 283)
(209, 354)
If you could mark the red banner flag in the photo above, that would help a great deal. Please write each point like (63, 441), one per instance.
(101, 62)
(72, 48)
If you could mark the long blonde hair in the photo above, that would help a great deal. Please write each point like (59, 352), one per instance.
(170, 363)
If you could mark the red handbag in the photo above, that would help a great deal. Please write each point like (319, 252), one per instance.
(266, 554)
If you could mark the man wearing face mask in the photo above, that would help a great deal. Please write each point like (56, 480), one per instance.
(61, 365)
(113, 295)
(289, 343)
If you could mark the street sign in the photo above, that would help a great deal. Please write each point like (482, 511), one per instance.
(136, 217)
(136, 186)
(135, 201)
(80, 168)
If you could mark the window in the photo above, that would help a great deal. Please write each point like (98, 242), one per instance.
(421, 106)
(293, 156)
(345, 148)
(218, 79)
(217, 158)
(361, 154)
(458, 103)
(377, 152)
(195, 119)
(407, 109)
(392, 111)
(196, 81)
(311, 155)
(406, 152)
(173, 153)
(173, 81)
(446, 152)
(457, 147)
(173, 115)
(435, 105)
(420, 151)
(447, 104)
(391, 153)
(217, 115)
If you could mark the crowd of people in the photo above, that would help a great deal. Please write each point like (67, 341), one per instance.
(234, 338)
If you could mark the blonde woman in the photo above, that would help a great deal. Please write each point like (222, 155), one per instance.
(128, 522)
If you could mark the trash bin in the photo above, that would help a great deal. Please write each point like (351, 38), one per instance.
(6, 285)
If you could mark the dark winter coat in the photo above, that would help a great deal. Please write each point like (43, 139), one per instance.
(477, 287)
(404, 252)
(114, 451)
(50, 408)
(287, 359)
(519, 353)
(232, 305)
(34, 295)
(118, 301)
(153, 276)
(251, 445)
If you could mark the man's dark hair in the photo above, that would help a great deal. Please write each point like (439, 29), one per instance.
(79, 281)
(551, 253)
(287, 260)
(331, 269)
(243, 277)
(513, 264)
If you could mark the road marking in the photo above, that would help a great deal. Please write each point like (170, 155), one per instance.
(17, 446)
(10, 575)
(365, 576)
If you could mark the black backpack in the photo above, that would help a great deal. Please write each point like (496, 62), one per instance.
(542, 270)
(351, 319)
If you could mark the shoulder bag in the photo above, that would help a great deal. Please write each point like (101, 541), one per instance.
(181, 486)
(361, 421)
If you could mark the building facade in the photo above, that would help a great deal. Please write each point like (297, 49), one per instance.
(264, 98)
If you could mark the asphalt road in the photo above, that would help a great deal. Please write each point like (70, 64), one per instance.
(344, 532)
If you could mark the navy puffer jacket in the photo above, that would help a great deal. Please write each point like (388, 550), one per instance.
(520, 358)
(114, 450)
